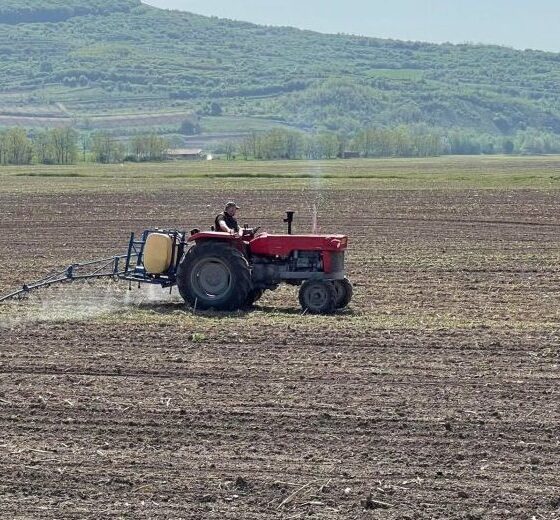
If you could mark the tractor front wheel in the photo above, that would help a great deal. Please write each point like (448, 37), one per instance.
(317, 297)
(344, 292)
(214, 275)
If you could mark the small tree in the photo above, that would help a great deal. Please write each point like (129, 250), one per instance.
(46, 66)
(17, 147)
(64, 145)
(229, 149)
(508, 146)
(327, 145)
(43, 148)
(106, 149)
(157, 147)
(85, 142)
(245, 148)
(216, 109)
(149, 147)
(190, 126)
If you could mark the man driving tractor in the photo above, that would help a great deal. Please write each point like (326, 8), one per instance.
(226, 221)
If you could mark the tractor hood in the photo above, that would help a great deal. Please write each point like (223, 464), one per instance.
(284, 245)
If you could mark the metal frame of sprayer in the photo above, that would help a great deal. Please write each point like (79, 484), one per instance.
(132, 271)
(135, 271)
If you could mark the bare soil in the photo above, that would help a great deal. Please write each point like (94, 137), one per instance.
(434, 396)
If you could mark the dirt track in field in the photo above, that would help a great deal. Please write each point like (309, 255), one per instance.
(434, 396)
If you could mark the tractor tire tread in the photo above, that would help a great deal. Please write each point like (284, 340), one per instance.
(239, 268)
(330, 304)
(254, 296)
(344, 299)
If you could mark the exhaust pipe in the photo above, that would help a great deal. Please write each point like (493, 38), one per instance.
(288, 220)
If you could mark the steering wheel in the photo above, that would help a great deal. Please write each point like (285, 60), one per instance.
(250, 232)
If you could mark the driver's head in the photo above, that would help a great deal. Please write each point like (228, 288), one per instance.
(231, 208)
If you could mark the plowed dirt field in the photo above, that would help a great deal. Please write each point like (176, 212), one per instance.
(435, 395)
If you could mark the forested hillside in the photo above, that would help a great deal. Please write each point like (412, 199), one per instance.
(16, 11)
(105, 56)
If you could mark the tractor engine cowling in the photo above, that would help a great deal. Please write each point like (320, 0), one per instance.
(296, 258)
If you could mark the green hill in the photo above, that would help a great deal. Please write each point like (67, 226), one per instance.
(99, 56)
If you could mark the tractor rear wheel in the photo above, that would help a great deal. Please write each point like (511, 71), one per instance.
(214, 275)
(344, 292)
(254, 296)
(317, 297)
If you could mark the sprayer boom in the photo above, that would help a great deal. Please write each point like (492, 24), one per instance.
(104, 268)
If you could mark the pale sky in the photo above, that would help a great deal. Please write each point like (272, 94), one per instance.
(520, 24)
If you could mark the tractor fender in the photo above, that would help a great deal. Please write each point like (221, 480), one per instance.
(212, 235)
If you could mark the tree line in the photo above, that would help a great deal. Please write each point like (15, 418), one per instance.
(66, 146)
(402, 141)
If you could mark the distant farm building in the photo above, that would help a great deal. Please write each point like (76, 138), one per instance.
(186, 154)
(350, 155)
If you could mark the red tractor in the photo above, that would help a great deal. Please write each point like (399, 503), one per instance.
(225, 272)
(215, 270)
